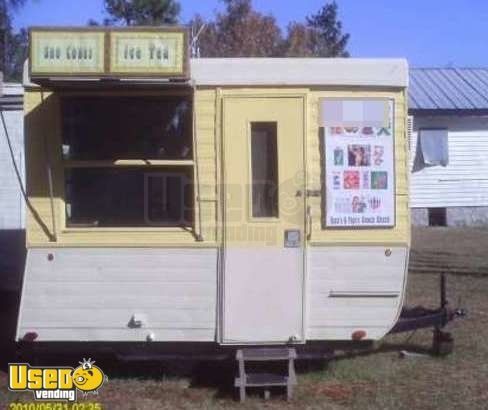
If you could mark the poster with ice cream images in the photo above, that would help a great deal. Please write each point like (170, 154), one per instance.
(359, 162)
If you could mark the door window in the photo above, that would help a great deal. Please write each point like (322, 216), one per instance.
(264, 170)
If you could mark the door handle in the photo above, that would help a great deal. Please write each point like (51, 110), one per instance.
(309, 223)
(299, 194)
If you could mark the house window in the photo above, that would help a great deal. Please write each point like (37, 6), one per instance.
(432, 148)
(437, 217)
(128, 161)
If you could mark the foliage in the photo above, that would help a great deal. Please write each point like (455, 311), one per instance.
(13, 46)
(16, 55)
(327, 39)
(298, 41)
(141, 12)
(241, 31)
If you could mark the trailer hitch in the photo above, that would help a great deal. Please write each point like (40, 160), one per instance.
(419, 317)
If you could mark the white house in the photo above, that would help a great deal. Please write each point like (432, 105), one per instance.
(12, 214)
(449, 146)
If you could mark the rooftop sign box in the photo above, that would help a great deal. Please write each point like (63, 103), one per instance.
(159, 52)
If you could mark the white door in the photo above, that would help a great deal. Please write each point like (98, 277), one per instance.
(264, 220)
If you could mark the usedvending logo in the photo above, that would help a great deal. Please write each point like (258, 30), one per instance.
(56, 383)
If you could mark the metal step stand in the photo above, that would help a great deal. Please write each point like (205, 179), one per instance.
(265, 380)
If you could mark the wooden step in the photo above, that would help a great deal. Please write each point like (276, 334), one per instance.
(264, 379)
(266, 354)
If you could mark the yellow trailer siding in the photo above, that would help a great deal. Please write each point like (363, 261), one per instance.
(43, 129)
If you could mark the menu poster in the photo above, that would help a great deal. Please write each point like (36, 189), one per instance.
(359, 162)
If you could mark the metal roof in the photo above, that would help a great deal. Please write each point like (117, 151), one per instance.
(452, 89)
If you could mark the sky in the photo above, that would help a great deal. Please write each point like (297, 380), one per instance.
(429, 33)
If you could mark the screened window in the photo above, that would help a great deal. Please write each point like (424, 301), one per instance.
(264, 169)
(110, 128)
(168, 198)
(128, 197)
(432, 148)
(128, 161)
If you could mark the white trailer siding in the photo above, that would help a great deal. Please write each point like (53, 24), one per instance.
(464, 181)
(93, 294)
(354, 288)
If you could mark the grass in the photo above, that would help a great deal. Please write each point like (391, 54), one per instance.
(378, 379)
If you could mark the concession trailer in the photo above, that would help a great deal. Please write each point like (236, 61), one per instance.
(237, 201)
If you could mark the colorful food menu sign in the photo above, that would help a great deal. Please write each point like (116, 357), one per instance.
(159, 52)
(359, 162)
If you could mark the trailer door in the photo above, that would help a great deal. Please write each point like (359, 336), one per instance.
(264, 220)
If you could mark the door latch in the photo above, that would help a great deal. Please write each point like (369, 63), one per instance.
(293, 238)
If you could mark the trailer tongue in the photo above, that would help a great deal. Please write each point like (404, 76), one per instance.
(419, 317)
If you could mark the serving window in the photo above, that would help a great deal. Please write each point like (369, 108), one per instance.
(128, 161)
(114, 128)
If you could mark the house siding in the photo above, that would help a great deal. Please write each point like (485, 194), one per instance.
(12, 216)
(461, 186)
(464, 181)
(12, 204)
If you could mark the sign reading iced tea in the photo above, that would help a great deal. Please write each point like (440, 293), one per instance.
(148, 52)
(359, 162)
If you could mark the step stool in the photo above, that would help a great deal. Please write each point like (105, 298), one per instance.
(265, 380)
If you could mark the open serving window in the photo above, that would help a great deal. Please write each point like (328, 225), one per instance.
(359, 162)
(128, 161)
(127, 154)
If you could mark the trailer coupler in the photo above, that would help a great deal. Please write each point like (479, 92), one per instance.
(418, 317)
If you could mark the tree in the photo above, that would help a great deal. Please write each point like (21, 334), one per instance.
(239, 31)
(13, 46)
(298, 41)
(320, 36)
(16, 55)
(141, 12)
(326, 37)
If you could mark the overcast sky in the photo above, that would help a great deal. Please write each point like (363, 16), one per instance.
(426, 32)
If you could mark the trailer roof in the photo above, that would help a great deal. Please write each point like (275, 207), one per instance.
(300, 71)
(293, 72)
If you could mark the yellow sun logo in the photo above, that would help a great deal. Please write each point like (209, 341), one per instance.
(87, 377)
